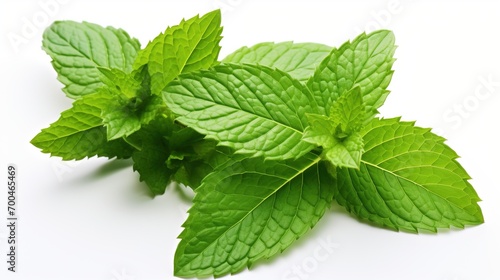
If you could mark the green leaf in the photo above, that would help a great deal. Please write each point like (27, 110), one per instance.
(253, 109)
(251, 209)
(167, 151)
(338, 133)
(191, 156)
(197, 161)
(132, 104)
(341, 151)
(123, 119)
(121, 82)
(365, 62)
(189, 46)
(77, 49)
(408, 179)
(297, 59)
(150, 159)
(348, 111)
(79, 133)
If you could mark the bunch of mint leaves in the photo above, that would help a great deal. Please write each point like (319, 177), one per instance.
(267, 137)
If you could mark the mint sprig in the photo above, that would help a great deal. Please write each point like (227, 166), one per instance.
(267, 137)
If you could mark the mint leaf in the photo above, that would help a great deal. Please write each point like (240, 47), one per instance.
(77, 49)
(189, 46)
(408, 179)
(169, 152)
(365, 62)
(338, 134)
(348, 112)
(123, 119)
(197, 161)
(79, 133)
(342, 150)
(150, 159)
(192, 156)
(132, 104)
(253, 109)
(250, 209)
(297, 59)
(121, 83)
(192, 172)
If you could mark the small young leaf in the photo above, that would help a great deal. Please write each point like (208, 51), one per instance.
(121, 82)
(77, 49)
(197, 160)
(408, 179)
(297, 59)
(253, 109)
(123, 119)
(192, 156)
(150, 160)
(339, 134)
(348, 111)
(132, 104)
(365, 62)
(189, 46)
(251, 209)
(79, 133)
(169, 152)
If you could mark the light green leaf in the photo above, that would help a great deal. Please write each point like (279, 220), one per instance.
(341, 151)
(122, 119)
(338, 134)
(365, 62)
(253, 109)
(408, 179)
(189, 46)
(77, 49)
(79, 133)
(348, 111)
(121, 82)
(251, 209)
(345, 153)
(297, 59)
(131, 104)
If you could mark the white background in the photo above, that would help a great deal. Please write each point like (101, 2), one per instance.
(94, 220)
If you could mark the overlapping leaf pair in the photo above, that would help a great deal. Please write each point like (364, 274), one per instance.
(267, 137)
